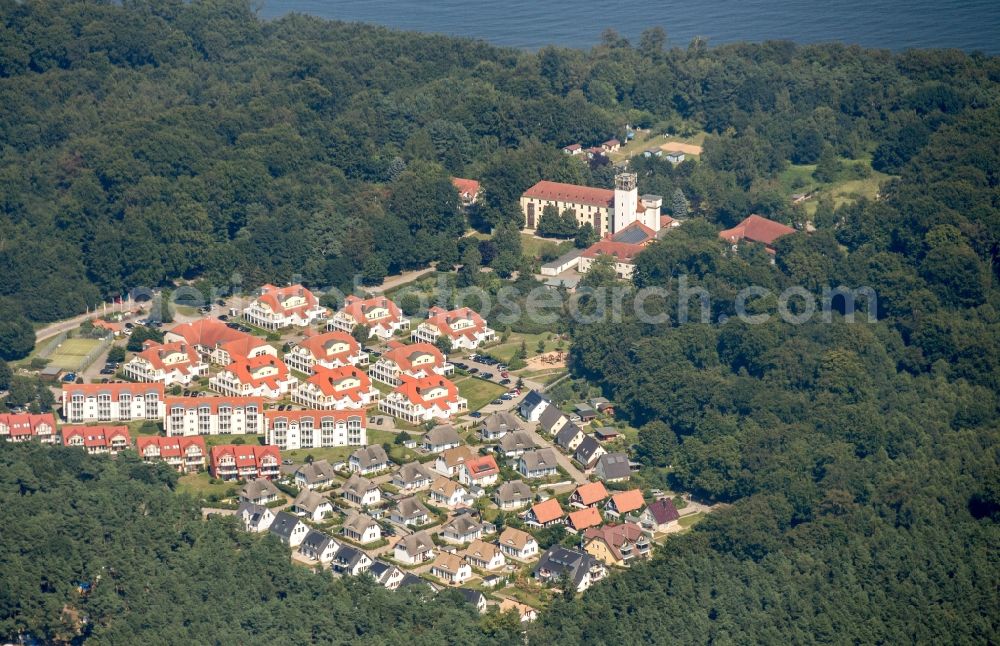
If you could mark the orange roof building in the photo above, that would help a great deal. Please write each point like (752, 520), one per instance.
(624, 502)
(589, 494)
(328, 350)
(344, 388)
(113, 402)
(756, 229)
(186, 454)
(468, 189)
(381, 316)
(220, 343)
(464, 327)
(259, 376)
(545, 513)
(482, 471)
(21, 427)
(414, 361)
(192, 416)
(97, 440)
(582, 519)
(307, 429)
(244, 461)
(423, 400)
(281, 307)
(167, 363)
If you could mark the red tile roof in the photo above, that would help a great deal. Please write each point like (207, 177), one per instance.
(190, 403)
(317, 415)
(245, 455)
(319, 346)
(168, 447)
(114, 389)
(207, 332)
(156, 354)
(584, 518)
(414, 390)
(25, 424)
(547, 511)
(358, 309)
(482, 467)
(327, 380)
(404, 355)
(247, 371)
(443, 320)
(95, 436)
(276, 297)
(628, 501)
(615, 536)
(620, 251)
(467, 188)
(558, 192)
(591, 492)
(756, 229)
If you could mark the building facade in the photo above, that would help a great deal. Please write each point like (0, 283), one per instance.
(114, 402)
(190, 416)
(309, 429)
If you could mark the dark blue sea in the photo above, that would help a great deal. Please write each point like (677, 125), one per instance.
(891, 24)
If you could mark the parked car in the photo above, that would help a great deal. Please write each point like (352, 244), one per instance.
(487, 375)
(69, 376)
(105, 380)
(496, 402)
(504, 382)
(129, 326)
(506, 397)
(107, 371)
(475, 414)
(462, 366)
(223, 317)
(473, 371)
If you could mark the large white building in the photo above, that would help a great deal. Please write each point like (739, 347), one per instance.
(608, 211)
(187, 416)
(345, 388)
(280, 307)
(424, 400)
(310, 429)
(166, 363)
(218, 343)
(464, 327)
(382, 317)
(116, 402)
(328, 350)
(260, 376)
(414, 361)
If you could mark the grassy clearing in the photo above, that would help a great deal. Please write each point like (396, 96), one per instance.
(199, 485)
(505, 351)
(531, 246)
(479, 392)
(799, 179)
(645, 140)
(692, 520)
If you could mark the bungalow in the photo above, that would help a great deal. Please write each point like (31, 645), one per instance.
(328, 350)
(512, 495)
(97, 440)
(259, 492)
(318, 546)
(463, 327)
(196, 416)
(468, 190)
(582, 569)
(166, 363)
(385, 574)
(424, 400)
(441, 438)
(617, 544)
(544, 514)
(381, 316)
(538, 464)
(451, 568)
(606, 434)
(652, 152)
(260, 376)
(588, 452)
(21, 427)
(756, 229)
(674, 156)
(367, 460)
(525, 612)
(449, 493)
(518, 544)
(351, 561)
(585, 412)
(410, 511)
(624, 502)
(114, 402)
(186, 454)
(255, 518)
(244, 461)
(288, 529)
(217, 342)
(415, 548)
(279, 307)
(412, 476)
(584, 518)
(484, 556)
(315, 476)
(480, 471)
(415, 361)
(361, 528)
(462, 529)
(498, 424)
(588, 495)
(613, 467)
(569, 437)
(361, 491)
(312, 505)
(552, 420)
(659, 515)
(533, 405)
(448, 462)
(344, 388)
(573, 149)
(514, 445)
(310, 429)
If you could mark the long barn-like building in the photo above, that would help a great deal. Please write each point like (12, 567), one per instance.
(608, 211)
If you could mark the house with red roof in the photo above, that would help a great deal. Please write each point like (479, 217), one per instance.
(310, 429)
(166, 363)
(22, 427)
(244, 461)
(756, 228)
(659, 515)
(97, 440)
(611, 146)
(344, 388)
(381, 316)
(624, 502)
(468, 190)
(617, 544)
(481, 471)
(423, 400)
(588, 495)
(327, 350)
(281, 307)
(217, 342)
(191, 416)
(414, 361)
(544, 514)
(260, 376)
(573, 149)
(112, 402)
(621, 254)
(464, 327)
(186, 454)
(582, 519)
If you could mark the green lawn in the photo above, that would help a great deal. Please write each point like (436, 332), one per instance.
(798, 179)
(71, 352)
(479, 392)
(693, 519)
(531, 246)
(505, 351)
(198, 485)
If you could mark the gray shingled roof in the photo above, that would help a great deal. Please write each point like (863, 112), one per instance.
(566, 434)
(614, 466)
(370, 456)
(318, 471)
(441, 435)
(514, 490)
(317, 540)
(517, 441)
(501, 421)
(416, 543)
(542, 458)
(585, 452)
(309, 500)
(549, 417)
(358, 485)
(411, 507)
(283, 524)
(413, 472)
(258, 487)
(359, 522)
(558, 559)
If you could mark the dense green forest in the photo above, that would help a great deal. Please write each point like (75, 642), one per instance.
(150, 141)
